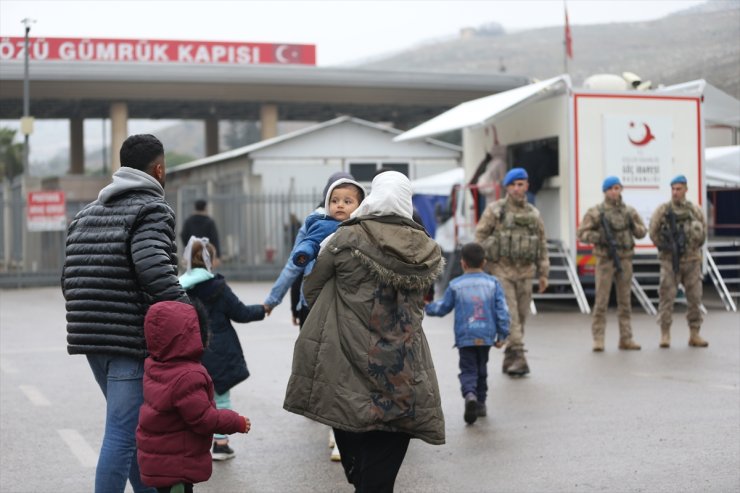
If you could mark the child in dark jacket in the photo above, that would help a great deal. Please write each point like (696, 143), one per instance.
(179, 416)
(481, 321)
(224, 357)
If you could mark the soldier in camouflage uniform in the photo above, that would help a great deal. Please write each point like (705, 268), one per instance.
(512, 233)
(611, 227)
(678, 230)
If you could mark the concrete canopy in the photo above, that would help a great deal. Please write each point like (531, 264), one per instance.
(151, 90)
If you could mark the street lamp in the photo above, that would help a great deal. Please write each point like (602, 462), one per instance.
(26, 121)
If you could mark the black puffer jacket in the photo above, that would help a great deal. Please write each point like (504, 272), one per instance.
(120, 259)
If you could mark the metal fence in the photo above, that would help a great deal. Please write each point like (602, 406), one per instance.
(256, 233)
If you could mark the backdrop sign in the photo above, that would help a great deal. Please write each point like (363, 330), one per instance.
(638, 149)
(157, 51)
(46, 211)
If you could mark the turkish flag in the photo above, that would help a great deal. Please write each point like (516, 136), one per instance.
(288, 54)
(568, 37)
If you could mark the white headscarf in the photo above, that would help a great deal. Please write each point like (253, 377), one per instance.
(188, 253)
(390, 195)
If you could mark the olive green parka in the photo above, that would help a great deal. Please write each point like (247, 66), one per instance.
(361, 361)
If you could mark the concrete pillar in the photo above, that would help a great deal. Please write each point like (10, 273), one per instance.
(268, 120)
(118, 132)
(211, 136)
(76, 147)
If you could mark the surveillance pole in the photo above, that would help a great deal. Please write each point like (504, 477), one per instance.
(26, 99)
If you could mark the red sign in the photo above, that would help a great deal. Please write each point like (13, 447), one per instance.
(46, 211)
(157, 51)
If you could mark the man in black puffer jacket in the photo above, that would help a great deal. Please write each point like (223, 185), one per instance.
(121, 259)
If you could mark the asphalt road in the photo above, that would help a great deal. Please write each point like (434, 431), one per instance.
(646, 421)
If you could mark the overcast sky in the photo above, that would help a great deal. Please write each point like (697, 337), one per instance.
(343, 31)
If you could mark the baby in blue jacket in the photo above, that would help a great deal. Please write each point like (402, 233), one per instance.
(481, 321)
(342, 198)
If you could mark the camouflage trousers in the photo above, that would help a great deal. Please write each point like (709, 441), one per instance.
(689, 274)
(518, 297)
(606, 273)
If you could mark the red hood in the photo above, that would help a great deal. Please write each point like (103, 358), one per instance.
(172, 331)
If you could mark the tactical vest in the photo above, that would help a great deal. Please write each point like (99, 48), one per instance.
(515, 237)
(689, 232)
(620, 224)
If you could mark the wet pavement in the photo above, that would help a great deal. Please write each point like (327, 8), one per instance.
(654, 420)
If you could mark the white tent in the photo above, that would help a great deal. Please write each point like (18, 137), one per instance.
(722, 166)
(719, 107)
(439, 184)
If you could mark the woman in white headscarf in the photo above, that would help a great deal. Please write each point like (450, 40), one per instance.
(362, 363)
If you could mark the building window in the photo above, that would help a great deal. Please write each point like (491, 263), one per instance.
(364, 172)
(400, 167)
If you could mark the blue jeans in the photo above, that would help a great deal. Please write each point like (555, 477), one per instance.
(474, 371)
(121, 380)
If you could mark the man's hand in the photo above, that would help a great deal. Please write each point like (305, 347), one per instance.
(296, 320)
(499, 344)
(543, 284)
(301, 259)
(268, 309)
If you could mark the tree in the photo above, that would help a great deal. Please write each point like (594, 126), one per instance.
(11, 154)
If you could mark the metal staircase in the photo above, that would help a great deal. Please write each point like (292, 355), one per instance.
(563, 281)
(723, 259)
(646, 281)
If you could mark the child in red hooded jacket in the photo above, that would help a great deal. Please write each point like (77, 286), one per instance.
(179, 416)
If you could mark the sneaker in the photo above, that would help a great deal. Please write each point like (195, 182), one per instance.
(482, 411)
(222, 452)
(335, 456)
(471, 408)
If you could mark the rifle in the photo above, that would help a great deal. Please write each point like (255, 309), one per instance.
(677, 240)
(611, 243)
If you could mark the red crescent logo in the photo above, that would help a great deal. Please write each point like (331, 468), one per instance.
(646, 139)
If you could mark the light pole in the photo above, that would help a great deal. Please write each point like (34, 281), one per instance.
(26, 121)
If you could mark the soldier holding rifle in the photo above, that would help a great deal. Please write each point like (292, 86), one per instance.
(678, 230)
(611, 227)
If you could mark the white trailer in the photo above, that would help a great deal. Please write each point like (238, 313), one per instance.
(580, 136)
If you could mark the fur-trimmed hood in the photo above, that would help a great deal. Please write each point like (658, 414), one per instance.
(402, 256)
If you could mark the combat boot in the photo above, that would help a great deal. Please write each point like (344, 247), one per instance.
(508, 359)
(695, 340)
(665, 337)
(598, 345)
(518, 367)
(629, 345)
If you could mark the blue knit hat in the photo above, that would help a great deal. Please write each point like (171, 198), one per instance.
(679, 179)
(609, 182)
(515, 174)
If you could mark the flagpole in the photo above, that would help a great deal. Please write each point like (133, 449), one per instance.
(568, 40)
(565, 39)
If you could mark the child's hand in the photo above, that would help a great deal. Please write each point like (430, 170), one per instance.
(499, 344)
(301, 259)
(268, 310)
(247, 424)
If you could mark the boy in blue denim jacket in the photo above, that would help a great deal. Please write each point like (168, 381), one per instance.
(481, 321)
